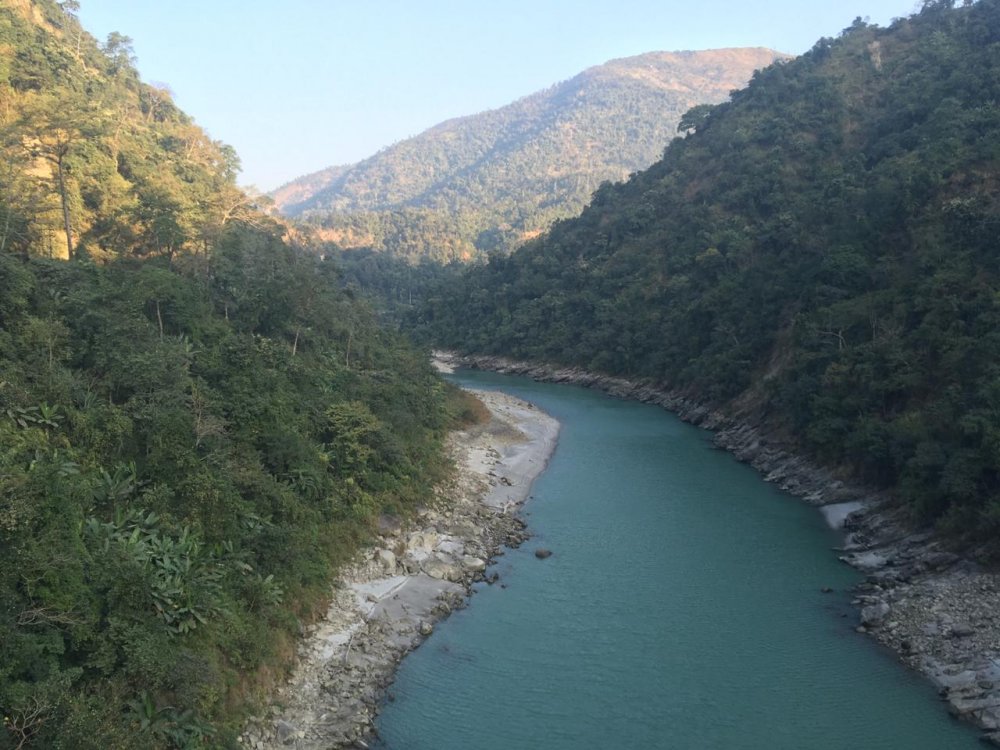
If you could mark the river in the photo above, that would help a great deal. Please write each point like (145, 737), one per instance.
(682, 608)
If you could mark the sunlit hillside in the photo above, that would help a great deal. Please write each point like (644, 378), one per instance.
(491, 180)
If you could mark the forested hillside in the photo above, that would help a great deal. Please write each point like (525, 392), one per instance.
(489, 181)
(196, 425)
(823, 249)
(93, 159)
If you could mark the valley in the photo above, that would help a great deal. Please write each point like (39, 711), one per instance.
(235, 493)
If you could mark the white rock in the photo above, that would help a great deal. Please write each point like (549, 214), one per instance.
(422, 540)
(874, 614)
(442, 568)
(475, 564)
(387, 560)
(451, 547)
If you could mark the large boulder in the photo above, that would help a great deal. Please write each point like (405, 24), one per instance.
(874, 614)
(939, 560)
(422, 541)
(286, 731)
(474, 564)
(387, 560)
(443, 568)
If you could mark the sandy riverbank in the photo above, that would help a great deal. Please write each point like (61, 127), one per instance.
(387, 603)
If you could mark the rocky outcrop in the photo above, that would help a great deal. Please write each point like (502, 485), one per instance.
(942, 616)
(938, 611)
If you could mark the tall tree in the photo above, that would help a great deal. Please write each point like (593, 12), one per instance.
(52, 127)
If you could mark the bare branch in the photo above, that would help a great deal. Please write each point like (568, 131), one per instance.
(839, 335)
(49, 615)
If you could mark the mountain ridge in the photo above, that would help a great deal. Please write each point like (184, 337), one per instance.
(499, 176)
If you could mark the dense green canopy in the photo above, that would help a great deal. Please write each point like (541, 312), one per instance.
(183, 460)
(196, 424)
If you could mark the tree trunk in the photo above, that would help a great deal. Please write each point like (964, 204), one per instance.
(159, 319)
(65, 207)
(6, 229)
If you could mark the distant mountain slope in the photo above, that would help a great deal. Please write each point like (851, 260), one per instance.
(823, 253)
(492, 179)
(303, 189)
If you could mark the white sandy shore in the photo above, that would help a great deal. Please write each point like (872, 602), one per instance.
(439, 361)
(386, 604)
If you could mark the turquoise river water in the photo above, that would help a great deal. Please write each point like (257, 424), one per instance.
(682, 608)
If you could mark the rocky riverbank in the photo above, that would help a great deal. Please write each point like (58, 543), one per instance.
(938, 611)
(388, 602)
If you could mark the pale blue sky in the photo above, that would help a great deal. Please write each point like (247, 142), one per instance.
(298, 85)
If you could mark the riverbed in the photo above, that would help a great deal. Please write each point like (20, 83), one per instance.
(683, 607)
